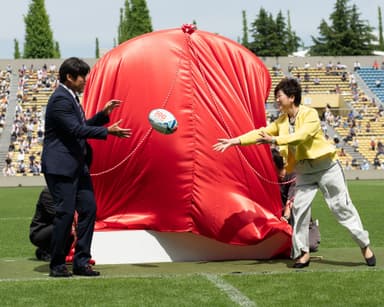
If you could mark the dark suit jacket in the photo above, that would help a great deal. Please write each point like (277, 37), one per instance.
(65, 149)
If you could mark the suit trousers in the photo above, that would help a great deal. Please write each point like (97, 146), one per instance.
(72, 194)
(326, 175)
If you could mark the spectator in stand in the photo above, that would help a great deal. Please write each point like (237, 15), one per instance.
(355, 144)
(378, 83)
(290, 67)
(376, 163)
(298, 77)
(316, 81)
(337, 89)
(380, 148)
(336, 141)
(20, 156)
(372, 144)
(375, 65)
(307, 76)
(344, 76)
(356, 66)
(328, 67)
(35, 168)
(365, 165)
(347, 165)
(9, 170)
(319, 65)
(342, 152)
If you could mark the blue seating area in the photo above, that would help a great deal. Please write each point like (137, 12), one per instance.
(369, 76)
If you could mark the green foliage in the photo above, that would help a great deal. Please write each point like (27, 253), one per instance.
(381, 39)
(346, 34)
(39, 42)
(57, 50)
(16, 52)
(244, 39)
(134, 20)
(272, 37)
(97, 52)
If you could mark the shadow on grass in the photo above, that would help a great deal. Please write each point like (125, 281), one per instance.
(42, 268)
(146, 265)
(340, 263)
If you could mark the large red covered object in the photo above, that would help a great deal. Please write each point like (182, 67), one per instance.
(215, 88)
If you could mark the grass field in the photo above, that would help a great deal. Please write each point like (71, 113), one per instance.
(337, 275)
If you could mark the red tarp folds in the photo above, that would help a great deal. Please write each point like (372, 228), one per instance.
(215, 88)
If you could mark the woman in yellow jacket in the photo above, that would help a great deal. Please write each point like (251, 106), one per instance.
(298, 134)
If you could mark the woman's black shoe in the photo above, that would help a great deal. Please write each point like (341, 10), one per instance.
(371, 261)
(301, 265)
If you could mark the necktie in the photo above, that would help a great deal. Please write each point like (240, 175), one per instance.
(80, 109)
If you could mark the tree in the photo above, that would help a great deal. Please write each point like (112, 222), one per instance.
(16, 52)
(38, 35)
(272, 37)
(244, 39)
(57, 50)
(261, 30)
(97, 52)
(346, 35)
(134, 20)
(293, 41)
(381, 39)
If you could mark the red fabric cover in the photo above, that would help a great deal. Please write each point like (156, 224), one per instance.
(215, 88)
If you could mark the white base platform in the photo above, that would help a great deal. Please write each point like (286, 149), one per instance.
(142, 246)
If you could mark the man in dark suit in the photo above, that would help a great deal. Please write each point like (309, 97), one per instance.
(66, 159)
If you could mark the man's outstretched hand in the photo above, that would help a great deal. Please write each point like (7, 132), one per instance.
(115, 130)
(110, 106)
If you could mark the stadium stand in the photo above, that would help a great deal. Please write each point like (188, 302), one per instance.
(350, 104)
(374, 79)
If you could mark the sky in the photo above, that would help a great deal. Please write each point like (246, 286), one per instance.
(77, 23)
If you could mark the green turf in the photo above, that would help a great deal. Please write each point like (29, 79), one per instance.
(336, 277)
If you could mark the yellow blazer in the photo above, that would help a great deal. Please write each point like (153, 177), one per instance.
(308, 138)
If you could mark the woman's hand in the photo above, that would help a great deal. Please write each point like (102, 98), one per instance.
(223, 144)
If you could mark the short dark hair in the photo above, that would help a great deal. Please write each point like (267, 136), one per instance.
(290, 87)
(277, 159)
(74, 67)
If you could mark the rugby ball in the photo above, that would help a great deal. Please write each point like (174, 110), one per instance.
(162, 121)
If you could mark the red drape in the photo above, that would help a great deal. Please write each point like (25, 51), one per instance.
(215, 88)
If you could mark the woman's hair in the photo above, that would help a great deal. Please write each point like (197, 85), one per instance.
(74, 67)
(290, 87)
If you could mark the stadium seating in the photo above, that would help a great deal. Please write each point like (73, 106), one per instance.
(370, 77)
(33, 96)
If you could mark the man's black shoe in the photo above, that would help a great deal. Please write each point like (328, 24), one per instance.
(60, 271)
(42, 255)
(86, 271)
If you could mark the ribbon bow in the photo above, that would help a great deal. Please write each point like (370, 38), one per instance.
(188, 28)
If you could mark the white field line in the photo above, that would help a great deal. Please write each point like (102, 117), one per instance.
(233, 293)
(16, 218)
(45, 276)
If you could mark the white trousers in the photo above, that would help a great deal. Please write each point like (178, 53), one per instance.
(328, 176)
